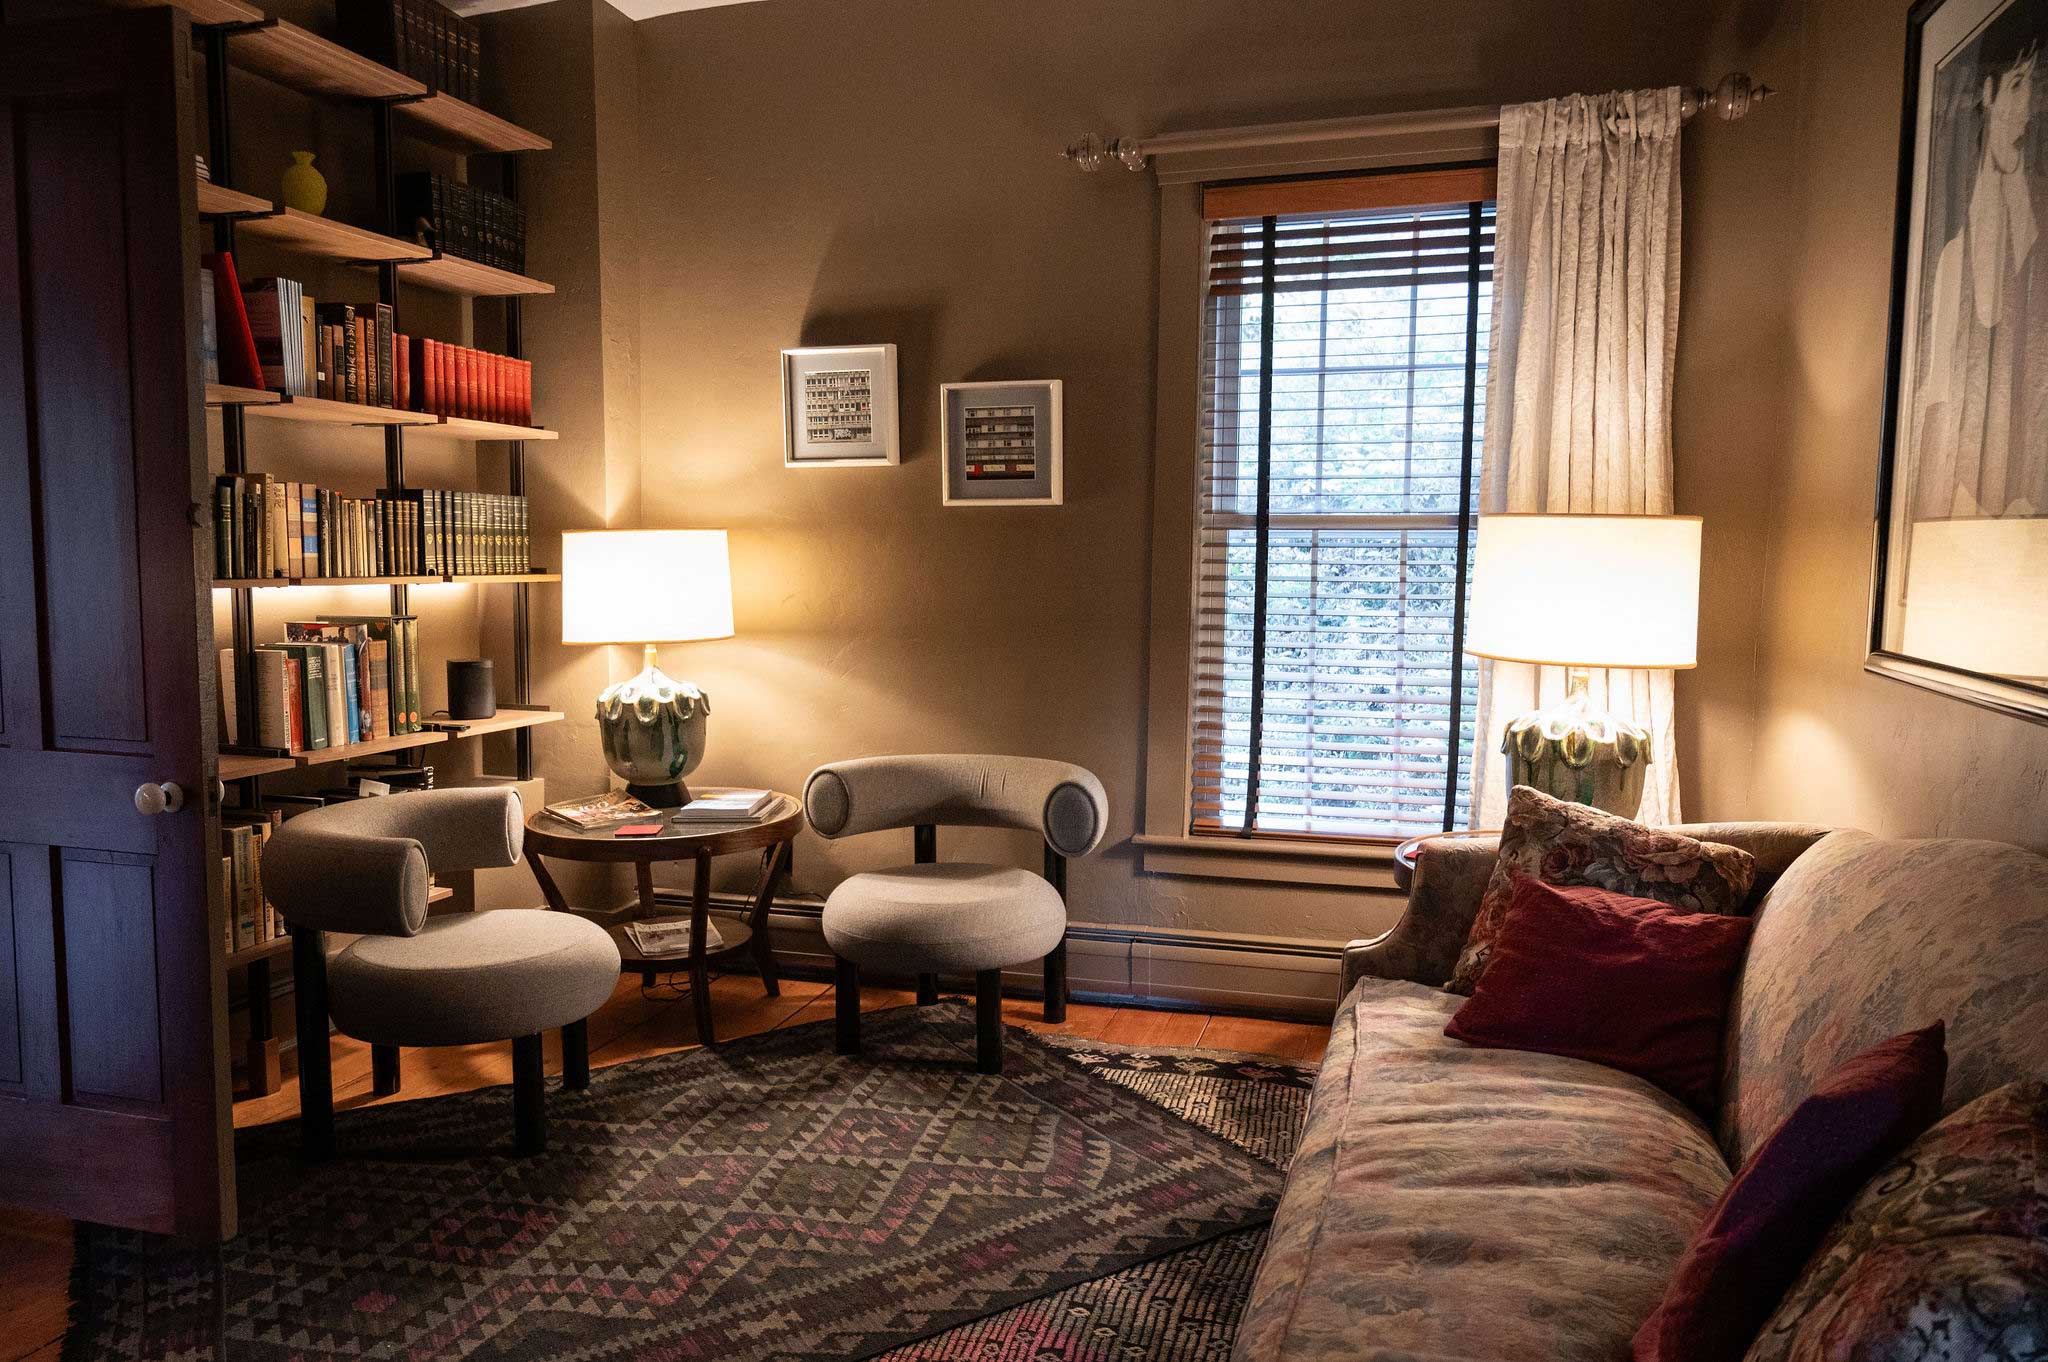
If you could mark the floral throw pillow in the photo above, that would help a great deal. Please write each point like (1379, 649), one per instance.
(1570, 844)
(1944, 1254)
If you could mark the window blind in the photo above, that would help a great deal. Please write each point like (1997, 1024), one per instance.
(1343, 390)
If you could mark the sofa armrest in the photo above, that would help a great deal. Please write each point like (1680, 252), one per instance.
(1450, 877)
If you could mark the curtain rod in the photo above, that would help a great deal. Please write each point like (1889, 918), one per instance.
(1734, 96)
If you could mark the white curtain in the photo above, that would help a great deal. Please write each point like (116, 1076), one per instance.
(1578, 393)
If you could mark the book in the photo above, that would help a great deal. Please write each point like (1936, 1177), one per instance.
(733, 806)
(384, 392)
(209, 330)
(224, 681)
(596, 811)
(239, 366)
(657, 937)
(273, 704)
(275, 312)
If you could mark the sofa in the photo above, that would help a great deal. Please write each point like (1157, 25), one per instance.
(1448, 1202)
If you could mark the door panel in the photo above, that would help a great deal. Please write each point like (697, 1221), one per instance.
(118, 1108)
(108, 908)
(78, 300)
(10, 998)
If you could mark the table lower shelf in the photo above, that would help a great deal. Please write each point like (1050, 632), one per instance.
(737, 939)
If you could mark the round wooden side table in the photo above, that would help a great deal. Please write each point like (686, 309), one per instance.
(773, 836)
(1405, 854)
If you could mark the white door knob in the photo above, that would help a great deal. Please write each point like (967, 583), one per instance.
(155, 799)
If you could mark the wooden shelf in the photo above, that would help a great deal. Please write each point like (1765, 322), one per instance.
(462, 428)
(504, 721)
(349, 751)
(453, 274)
(205, 11)
(249, 955)
(260, 583)
(327, 239)
(326, 411)
(227, 395)
(217, 201)
(430, 579)
(303, 60)
(234, 766)
(444, 118)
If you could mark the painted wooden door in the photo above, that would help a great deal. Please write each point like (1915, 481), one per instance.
(113, 1076)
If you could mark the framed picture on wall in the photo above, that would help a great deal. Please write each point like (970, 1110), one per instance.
(1001, 443)
(839, 406)
(1960, 595)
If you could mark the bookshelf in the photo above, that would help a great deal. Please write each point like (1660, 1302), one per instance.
(218, 202)
(325, 239)
(401, 112)
(435, 579)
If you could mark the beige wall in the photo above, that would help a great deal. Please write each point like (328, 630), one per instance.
(1835, 743)
(841, 171)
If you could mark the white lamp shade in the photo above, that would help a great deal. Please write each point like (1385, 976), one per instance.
(1586, 590)
(1975, 593)
(645, 586)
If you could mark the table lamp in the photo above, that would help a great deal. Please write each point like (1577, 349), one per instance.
(1578, 592)
(648, 587)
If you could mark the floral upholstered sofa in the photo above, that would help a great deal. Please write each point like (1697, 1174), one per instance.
(1449, 1203)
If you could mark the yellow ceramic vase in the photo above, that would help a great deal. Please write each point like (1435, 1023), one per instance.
(304, 187)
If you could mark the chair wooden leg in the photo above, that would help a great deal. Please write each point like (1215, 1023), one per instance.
(384, 1070)
(927, 989)
(529, 1097)
(316, 1073)
(988, 1021)
(1056, 983)
(846, 1005)
(576, 1055)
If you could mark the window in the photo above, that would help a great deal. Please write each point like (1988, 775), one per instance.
(1343, 393)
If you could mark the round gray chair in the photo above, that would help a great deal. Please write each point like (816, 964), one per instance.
(459, 979)
(928, 918)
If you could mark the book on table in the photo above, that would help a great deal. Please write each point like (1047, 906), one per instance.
(729, 806)
(597, 811)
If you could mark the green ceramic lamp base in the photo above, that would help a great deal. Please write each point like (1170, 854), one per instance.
(1575, 752)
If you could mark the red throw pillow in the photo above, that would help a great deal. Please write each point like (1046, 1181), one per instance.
(1758, 1237)
(1621, 981)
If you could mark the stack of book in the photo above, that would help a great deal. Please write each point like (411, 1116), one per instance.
(423, 38)
(269, 527)
(250, 919)
(333, 681)
(463, 220)
(456, 380)
(728, 806)
(358, 357)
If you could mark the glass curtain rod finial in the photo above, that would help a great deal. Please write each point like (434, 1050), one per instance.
(1091, 152)
(1732, 97)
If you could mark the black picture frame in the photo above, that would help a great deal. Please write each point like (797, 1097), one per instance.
(2001, 693)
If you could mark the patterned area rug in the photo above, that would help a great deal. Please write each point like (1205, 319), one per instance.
(765, 1200)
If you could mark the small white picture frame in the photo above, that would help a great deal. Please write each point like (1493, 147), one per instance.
(1002, 443)
(839, 407)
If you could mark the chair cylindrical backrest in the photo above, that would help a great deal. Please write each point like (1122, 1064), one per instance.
(362, 866)
(1058, 800)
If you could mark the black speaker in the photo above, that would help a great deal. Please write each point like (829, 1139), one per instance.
(472, 690)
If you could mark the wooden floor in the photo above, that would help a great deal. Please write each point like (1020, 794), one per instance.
(35, 1251)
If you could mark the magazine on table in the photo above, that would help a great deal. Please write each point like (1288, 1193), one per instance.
(729, 806)
(596, 811)
(660, 936)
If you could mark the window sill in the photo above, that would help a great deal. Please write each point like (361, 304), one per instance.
(1333, 864)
